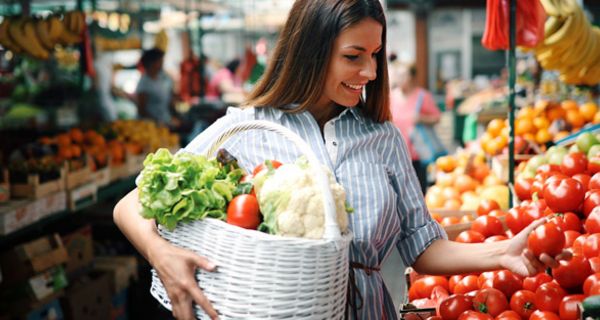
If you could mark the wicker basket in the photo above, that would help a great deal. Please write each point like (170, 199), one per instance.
(262, 276)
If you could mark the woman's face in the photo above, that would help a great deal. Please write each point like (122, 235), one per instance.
(353, 63)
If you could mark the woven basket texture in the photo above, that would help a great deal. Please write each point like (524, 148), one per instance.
(262, 276)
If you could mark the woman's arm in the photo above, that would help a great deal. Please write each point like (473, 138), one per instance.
(449, 257)
(176, 267)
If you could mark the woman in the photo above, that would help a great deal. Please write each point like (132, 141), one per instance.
(411, 105)
(327, 81)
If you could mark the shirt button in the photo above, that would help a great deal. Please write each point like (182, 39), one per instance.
(334, 143)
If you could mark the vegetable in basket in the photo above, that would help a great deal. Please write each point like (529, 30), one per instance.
(292, 202)
(185, 187)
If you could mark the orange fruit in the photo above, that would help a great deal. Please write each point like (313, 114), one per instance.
(63, 139)
(523, 126)
(543, 136)
(76, 135)
(434, 201)
(574, 118)
(464, 183)
(555, 113)
(448, 221)
(588, 110)
(560, 135)
(495, 126)
(596, 118)
(569, 105)
(452, 204)
(526, 112)
(492, 180)
(450, 193)
(445, 180)
(446, 163)
(541, 123)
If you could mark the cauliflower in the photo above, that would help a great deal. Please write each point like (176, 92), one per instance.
(292, 203)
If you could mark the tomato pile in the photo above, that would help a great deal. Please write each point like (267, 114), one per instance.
(568, 195)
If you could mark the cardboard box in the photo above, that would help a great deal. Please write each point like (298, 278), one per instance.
(88, 298)
(48, 311)
(83, 193)
(16, 214)
(80, 247)
(30, 258)
(51, 204)
(122, 269)
(46, 284)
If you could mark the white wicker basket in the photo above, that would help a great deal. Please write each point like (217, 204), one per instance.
(262, 276)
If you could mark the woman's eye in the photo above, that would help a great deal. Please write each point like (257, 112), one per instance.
(351, 57)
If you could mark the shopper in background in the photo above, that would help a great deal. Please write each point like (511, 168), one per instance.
(223, 85)
(155, 90)
(328, 82)
(411, 105)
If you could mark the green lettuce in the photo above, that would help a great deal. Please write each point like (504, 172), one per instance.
(185, 187)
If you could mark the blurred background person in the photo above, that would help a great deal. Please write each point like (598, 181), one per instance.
(411, 105)
(224, 85)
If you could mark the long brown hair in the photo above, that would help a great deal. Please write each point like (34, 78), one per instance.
(298, 68)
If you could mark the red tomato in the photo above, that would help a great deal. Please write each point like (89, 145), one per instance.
(517, 220)
(523, 188)
(508, 315)
(592, 223)
(466, 284)
(595, 180)
(532, 283)
(486, 206)
(547, 238)
(548, 168)
(572, 273)
(593, 166)
(543, 315)
(591, 246)
(564, 195)
(595, 264)
(589, 282)
(424, 286)
(469, 236)
(523, 303)
(566, 221)
(591, 201)
(595, 289)
(497, 213)
(453, 281)
(276, 164)
(496, 238)
(548, 296)
(570, 237)
(243, 212)
(488, 226)
(454, 306)
(569, 307)
(584, 179)
(554, 177)
(447, 221)
(577, 247)
(507, 282)
(574, 163)
(434, 318)
(474, 315)
(491, 301)
(486, 279)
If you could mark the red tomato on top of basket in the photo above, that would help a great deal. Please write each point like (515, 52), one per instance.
(243, 211)
(276, 164)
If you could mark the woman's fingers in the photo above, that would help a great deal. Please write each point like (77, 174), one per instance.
(532, 263)
(203, 263)
(181, 304)
(203, 302)
(565, 255)
(548, 260)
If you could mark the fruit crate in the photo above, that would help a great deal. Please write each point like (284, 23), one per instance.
(78, 177)
(35, 188)
(4, 186)
(135, 163)
(454, 229)
(102, 176)
(500, 164)
(82, 195)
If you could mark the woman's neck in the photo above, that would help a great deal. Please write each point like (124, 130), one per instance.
(324, 114)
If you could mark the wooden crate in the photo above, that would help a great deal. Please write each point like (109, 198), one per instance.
(102, 176)
(135, 163)
(500, 164)
(4, 186)
(118, 172)
(34, 189)
(76, 178)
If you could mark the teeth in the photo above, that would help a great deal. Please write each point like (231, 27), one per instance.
(355, 87)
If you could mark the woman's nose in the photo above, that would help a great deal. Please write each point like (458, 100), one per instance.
(369, 69)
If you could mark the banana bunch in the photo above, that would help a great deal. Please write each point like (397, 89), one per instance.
(107, 44)
(38, 37)
(161, 40)
(571, 44)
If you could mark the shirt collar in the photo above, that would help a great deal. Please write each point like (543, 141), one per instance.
(356, 112)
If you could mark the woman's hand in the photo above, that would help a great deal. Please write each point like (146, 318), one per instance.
(176, 268)
(519, 259)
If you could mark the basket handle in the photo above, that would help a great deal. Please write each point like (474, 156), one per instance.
(332, 230)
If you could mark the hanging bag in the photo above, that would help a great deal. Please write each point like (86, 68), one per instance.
(424, 139)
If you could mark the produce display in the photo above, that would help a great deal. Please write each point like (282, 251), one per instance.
(280, 199)
(37, 37)
(562, 185)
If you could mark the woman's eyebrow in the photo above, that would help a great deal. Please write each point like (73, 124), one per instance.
(359, 48)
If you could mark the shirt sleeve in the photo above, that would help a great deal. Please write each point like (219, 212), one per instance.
(142, 85)
(418, 229)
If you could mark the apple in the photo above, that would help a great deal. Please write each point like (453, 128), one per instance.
(555, 154)
(594, 151)
(585, 141)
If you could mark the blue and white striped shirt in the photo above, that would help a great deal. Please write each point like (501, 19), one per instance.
(371, 161)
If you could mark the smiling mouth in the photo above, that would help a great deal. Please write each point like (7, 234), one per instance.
(353, 86)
